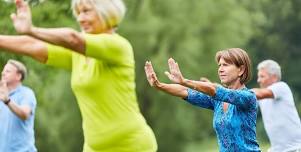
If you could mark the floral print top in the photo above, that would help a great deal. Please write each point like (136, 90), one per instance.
(236, 126)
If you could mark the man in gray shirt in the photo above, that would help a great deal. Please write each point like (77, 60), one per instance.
(280, 116)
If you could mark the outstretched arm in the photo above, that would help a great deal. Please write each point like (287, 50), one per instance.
(176, 76)
(65, 37)
(262, 93)
(172, 89)
(24, 45)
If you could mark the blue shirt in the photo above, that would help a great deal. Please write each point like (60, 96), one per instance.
(235, 128)
(17, 135)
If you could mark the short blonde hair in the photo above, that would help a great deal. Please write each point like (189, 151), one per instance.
(112, 11)
(239, 58)
(20, 68)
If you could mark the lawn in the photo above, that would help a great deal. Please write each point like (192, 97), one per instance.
(210, 145)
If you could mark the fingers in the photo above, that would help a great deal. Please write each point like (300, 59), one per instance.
(170, 64)
(168, 75)
(2, 83)
(13, 16)
(173, 66)
(18, 2)
(22, 6)
(150, 73)
(147, 72)
(3, 90)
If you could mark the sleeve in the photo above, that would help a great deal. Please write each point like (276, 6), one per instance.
(29, 99)
(110, 48)
(59, 57)
(199, 99)
(279, 89)
(242, 98)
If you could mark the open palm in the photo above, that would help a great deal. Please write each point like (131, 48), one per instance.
(151, 75)
(22, 19)
(174, 73)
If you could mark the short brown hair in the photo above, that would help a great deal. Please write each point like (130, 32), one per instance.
(239, 58)
(20, 67)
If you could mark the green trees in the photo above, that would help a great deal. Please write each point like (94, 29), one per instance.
(190, 31)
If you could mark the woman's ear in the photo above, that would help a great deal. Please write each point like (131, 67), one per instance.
(241, 70)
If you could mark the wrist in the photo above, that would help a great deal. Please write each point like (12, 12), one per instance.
(7, 101)
(183, 82)
(31, 30)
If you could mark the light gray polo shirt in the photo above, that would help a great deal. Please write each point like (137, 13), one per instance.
(281, 119)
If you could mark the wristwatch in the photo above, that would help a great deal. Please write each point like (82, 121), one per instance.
(7, 101)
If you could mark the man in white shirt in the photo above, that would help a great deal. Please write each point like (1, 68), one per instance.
(279, 114)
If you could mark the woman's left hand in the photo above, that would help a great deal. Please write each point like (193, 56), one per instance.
(174, 73)
(22, 18)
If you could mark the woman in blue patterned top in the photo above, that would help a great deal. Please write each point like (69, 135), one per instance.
(234, 105)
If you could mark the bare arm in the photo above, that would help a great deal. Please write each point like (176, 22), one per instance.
(65, 37)
(175, 75)
(262, 93)
(23, 112)
(24, 45)
(172, 89)
(205, 87)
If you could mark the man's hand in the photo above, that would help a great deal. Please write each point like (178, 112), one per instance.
(3, 91)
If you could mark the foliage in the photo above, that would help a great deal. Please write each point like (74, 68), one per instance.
(190, 31)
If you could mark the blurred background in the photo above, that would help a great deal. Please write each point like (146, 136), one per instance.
(191, 31)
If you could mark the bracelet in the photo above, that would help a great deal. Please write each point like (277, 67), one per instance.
(7, 101)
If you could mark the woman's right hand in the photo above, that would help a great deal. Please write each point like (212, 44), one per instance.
(151, 75)
(22, 18)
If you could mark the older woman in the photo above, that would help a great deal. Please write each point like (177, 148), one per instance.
(102, 72)
(234, 105)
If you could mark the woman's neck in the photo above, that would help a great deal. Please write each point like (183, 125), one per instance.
(236, 85)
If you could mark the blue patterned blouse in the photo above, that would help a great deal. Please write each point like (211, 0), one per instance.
(235, 128)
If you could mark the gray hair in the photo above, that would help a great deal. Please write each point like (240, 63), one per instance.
(20, 67)
(112, 11)
(271, 66)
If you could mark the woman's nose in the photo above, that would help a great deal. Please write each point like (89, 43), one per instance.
(80, 17)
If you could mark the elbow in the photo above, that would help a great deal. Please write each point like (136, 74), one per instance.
(259, 96)
(212, 91)
(24, 116)
(39, 52)
(76, 42)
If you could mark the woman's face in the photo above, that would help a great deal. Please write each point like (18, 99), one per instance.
(88, 18)
(228, 73)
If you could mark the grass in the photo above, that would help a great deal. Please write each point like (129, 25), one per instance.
(210, 145)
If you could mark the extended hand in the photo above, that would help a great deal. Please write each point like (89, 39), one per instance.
(3, 91)
(22, 19)
(174, 73)
(151, 75)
